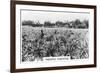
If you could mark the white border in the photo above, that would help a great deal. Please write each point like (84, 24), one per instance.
(53, 63)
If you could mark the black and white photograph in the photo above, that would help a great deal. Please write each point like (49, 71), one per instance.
(54, 34)
(51, 36)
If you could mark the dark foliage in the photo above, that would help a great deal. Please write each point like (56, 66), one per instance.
(53, 43)
(68, 24)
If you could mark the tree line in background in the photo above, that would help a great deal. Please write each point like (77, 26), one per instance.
(68, 24)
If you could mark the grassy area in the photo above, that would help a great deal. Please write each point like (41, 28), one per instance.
(53, 42)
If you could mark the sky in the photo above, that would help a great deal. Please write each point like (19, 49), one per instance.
(52, 16)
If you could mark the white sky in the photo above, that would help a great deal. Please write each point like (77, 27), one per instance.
(42, 16)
